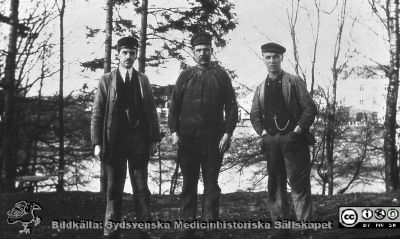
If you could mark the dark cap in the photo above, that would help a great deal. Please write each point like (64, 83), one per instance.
(127, 42)
(273, 47)
(201, 38)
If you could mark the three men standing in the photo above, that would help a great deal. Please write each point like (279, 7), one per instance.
(124, 126)
(202, 117)
(282, 113)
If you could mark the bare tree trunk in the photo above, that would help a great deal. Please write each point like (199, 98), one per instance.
(143, 37)
(321, 172)
(175, 175)
(389, 145)
(330, 137)
(25, 161)
(108, 41)
(174, 180)
(160, 169)
(61, 162)
(316, 38)
(38, 118)
(107, 68)
(292, 19)
(2, 158)
(8, 157)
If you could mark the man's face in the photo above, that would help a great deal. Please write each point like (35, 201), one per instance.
(273, 61)
(127, 57)
(202, 54)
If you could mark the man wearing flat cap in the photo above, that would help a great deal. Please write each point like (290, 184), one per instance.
(124, 127)
(282, 114)
(202, 117)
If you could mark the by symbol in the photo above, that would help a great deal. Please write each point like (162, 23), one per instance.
(380, 214)
(392, 214)
(367, 214)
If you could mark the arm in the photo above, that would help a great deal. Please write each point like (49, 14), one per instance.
(256, 117)
(154, 124)
(96, 128)
(231, 107)
(175, 104)
(231, 113)
(307, 106)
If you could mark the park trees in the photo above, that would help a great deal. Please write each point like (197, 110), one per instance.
(387, 13)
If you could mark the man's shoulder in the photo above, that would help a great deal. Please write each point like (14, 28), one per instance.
(142, 75)
(189, 69)
(258, 88)
(187, 73)
(108, 76)
(291, 77)
(261, 84)
(218, 68)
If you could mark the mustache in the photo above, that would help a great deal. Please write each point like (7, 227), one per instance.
(205, 57)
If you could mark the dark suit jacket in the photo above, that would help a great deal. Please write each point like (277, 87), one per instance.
(104, 123)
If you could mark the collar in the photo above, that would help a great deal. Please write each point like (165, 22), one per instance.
(277, 79)
(123, 71)
(206, 68)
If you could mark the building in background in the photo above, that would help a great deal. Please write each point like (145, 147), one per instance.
(363, 91)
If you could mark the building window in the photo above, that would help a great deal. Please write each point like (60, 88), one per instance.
(359, 116)
(374, 101)
(361, 87)
(361, 101)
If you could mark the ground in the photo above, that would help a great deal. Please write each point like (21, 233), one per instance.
(240, 206)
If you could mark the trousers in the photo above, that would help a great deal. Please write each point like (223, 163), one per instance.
(288, 160)
(132, 147)
(199, 148)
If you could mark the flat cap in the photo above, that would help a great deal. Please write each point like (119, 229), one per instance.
(127, 42)
(201, 38)
(273, 47)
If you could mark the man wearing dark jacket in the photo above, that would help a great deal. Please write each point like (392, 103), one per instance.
(125, 127)
(196, 118)
(282, 113)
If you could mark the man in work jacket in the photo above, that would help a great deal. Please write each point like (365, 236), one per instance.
(201, 96)
(282, 113)
(124, 126)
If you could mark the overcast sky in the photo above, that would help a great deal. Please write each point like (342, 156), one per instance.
(259, 21)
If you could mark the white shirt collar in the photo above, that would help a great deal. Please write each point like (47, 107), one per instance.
(123, 72)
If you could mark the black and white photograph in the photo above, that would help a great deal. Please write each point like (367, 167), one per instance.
(208, 119)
